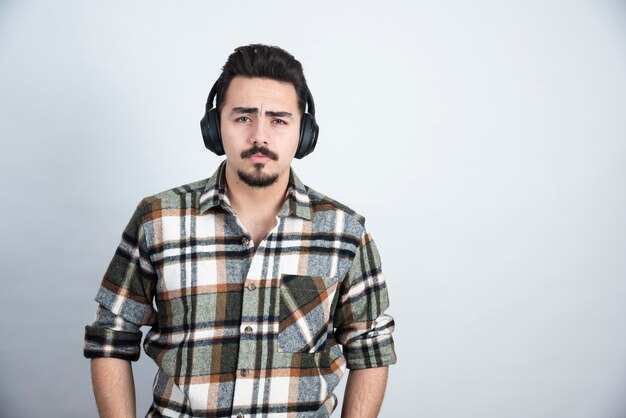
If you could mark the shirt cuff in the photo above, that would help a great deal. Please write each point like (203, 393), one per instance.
(105, 342)
(375, 353)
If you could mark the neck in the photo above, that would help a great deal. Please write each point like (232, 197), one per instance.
(262, 201)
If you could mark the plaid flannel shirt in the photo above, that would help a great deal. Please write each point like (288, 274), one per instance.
(237, 331)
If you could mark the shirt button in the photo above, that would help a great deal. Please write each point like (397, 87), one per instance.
(248, 329)
(245, 240)
(243, 373)
(251, 286)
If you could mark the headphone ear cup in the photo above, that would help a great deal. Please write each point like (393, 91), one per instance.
(210, 126)
(309, 132)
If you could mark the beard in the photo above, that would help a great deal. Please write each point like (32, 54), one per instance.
(258, 178)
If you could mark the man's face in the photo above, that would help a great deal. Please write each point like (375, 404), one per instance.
(260, 126)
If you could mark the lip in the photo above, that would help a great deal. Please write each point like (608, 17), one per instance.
(258, 158)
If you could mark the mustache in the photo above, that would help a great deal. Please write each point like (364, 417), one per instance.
(259, 150)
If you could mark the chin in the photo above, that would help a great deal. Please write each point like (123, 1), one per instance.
(257, 178)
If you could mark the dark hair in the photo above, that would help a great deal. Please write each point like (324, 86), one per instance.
(262, 61)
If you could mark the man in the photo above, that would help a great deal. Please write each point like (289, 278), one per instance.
(258, 290)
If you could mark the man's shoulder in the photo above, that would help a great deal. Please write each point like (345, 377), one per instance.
(180, 197)
(322, 203)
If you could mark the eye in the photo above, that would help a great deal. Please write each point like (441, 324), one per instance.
(243, 119)
(279, 122)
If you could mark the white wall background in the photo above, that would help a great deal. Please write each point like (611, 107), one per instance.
(485, 142)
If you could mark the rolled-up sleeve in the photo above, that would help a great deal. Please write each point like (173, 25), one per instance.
(362, 326)
(124, 298)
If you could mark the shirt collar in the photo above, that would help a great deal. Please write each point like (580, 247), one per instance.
(297, 202)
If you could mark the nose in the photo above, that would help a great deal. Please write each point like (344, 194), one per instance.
(260, 135)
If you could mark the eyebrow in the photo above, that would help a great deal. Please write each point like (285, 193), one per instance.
(254, 110)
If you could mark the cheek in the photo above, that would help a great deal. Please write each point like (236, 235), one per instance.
(290, 142)
(230, 139)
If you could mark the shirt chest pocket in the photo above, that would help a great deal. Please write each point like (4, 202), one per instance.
(306, 307)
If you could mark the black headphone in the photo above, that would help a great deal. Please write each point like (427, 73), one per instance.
(210, 126)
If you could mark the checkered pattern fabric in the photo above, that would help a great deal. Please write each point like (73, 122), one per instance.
(237, 331)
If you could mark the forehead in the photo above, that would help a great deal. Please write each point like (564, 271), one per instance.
(254, 91)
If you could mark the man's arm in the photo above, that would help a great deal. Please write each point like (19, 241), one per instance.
(113, 387)
(125, 304)
(364, 392)
(365, 332)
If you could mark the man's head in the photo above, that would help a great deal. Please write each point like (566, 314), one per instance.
(259, 120)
